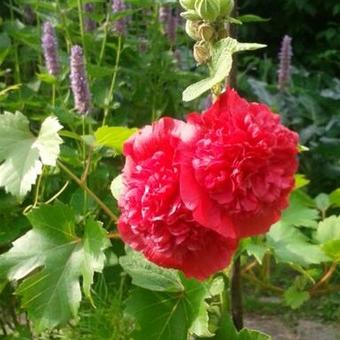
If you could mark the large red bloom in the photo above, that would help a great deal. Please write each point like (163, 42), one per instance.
(154, 219)
(237, 168)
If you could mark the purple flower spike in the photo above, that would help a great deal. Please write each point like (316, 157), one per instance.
(120, 24)
(50, 48)
(285, 57)
(79, 84)
(89, 24)
(171, 27)
(164, 13)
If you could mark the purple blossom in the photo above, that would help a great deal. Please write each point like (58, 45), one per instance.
(164, 12)
(170, 19)
(171, 27)
(120, 24)
(50, 48)
(79, 84)
(89, 24)
(285, 57)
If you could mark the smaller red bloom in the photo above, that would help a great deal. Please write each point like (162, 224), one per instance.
(237, 167)
(154, 219)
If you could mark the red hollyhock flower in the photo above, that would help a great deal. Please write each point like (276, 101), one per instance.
(237, 169)
(154, 219)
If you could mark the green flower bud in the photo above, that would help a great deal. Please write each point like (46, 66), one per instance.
(206, 31)
(202, 52)
(226, 7)
(187, 4)
(190, 15)
(208, 10)
(192, 29)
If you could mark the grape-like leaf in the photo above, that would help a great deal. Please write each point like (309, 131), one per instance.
(148, 275)
(328, 229)
(22, 154)
(290, 245)
(168, 316)
(50, 259)
(295, 298)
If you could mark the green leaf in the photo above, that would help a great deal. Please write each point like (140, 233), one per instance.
(50, 259)
(334, 198)
(295, 298)
(332, 249)
(148, 275)
(227, 331)
(299, 215)
(22, 155)
(47, 78)
(257, 250)
(322, 202)
(290, 245)
(247, 18)
(220, 66)
(113, 137)
(200, 325)
(301, 181)
(116, 186)
(165, 316)
(328, 229)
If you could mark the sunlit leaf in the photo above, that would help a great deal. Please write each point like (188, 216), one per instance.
(50, 259)
(23, 155)
(113, 136)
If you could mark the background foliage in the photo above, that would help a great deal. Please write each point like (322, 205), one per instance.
(297, 260)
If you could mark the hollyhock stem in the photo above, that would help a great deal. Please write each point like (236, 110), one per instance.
(236, 294)
(236, 279)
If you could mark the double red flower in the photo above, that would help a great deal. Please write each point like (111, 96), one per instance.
(192, 190)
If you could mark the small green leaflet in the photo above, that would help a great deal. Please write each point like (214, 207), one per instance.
(295, 298)
(220, 66)
(113, 136)
(50, 259)
(300, 181)
(23, 155)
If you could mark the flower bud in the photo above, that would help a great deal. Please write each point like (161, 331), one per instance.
(191, 28)
(202, 52)
(226, 7)
(206, 32)
(208, 10)
(190, 15)
(187, 4)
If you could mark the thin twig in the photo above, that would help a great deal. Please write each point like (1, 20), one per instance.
(327, 275)
(104, 207)
(113, 235)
